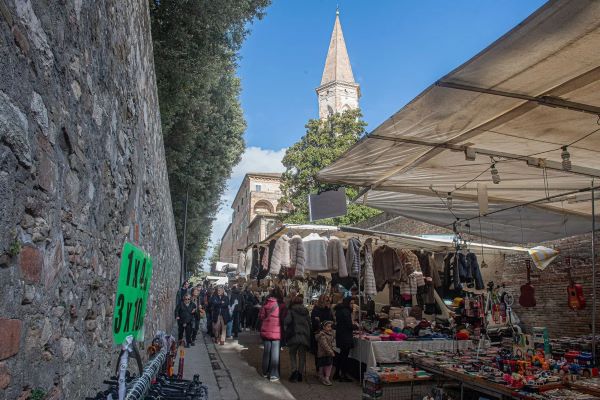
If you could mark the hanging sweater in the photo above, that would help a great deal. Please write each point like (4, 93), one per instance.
(353, 257)
(370, 287)
(336, 261)
(315, 252)
(386, 267)
(281, 255)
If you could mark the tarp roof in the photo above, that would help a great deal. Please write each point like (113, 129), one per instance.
(419, 153)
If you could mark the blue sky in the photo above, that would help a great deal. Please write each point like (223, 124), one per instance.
(397, 48)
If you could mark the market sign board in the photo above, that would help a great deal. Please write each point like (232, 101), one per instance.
(135, 275)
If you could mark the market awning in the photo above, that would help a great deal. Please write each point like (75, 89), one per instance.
(514, 105)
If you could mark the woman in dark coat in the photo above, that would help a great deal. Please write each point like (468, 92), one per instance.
(320, 313)
(297, 332)
(343, 338)
(219, 305)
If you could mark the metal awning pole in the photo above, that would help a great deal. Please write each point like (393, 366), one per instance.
(593, 277)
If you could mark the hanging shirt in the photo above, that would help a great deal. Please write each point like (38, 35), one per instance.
(315, 252)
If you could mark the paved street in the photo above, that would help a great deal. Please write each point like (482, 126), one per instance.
(231, 372)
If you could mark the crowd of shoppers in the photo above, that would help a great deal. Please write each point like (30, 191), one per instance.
(326, 331)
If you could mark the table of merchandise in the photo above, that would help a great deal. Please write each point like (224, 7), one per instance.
(496, 390)
(372, 352)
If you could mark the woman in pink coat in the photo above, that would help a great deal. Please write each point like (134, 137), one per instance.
(271, 315)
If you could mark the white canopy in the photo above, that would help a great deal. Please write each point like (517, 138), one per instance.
(515, 105)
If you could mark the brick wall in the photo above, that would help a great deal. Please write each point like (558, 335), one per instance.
(550, 286)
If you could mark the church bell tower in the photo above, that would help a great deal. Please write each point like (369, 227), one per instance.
(338, 92)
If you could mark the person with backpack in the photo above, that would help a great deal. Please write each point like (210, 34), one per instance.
(297, 332)
(272, 313)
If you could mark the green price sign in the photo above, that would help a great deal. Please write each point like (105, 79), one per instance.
(132, 292)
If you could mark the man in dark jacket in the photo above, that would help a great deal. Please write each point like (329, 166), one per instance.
(184, 313)
(343, 338)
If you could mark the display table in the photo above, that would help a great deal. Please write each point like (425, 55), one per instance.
(372, 353)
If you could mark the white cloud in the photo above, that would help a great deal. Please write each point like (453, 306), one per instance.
(254, 159)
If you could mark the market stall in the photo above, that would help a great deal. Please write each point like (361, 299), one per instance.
(504, 148)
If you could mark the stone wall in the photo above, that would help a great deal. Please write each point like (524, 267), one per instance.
(82, 170)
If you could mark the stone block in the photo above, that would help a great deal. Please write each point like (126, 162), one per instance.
(10, 339)
(31, 262)
(4, 376)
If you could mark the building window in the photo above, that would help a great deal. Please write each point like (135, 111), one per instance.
(258, 188)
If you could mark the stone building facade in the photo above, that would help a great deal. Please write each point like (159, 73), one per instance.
(338, 92)
(82, 170)
(256, 214)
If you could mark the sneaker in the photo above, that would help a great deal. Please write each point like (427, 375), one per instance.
(327, 382)
(274, 378)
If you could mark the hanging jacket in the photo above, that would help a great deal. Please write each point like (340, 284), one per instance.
(432, 279)
(281, 255)
(353, 257)
(297, 326)
(297, 256)
(315, 253)
(463, 271)
(255, 269)
(263, 270)
(369, 281)
(336, 261)
(409, 261)
(473, 267)
(387, 267)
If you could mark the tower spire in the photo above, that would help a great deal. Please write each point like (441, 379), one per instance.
(338, 92)
(337, 64)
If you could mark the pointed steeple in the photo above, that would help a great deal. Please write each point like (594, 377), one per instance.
(338, 92)
(337, 65)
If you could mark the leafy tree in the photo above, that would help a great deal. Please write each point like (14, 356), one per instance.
(196, 45)
(323, 143)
